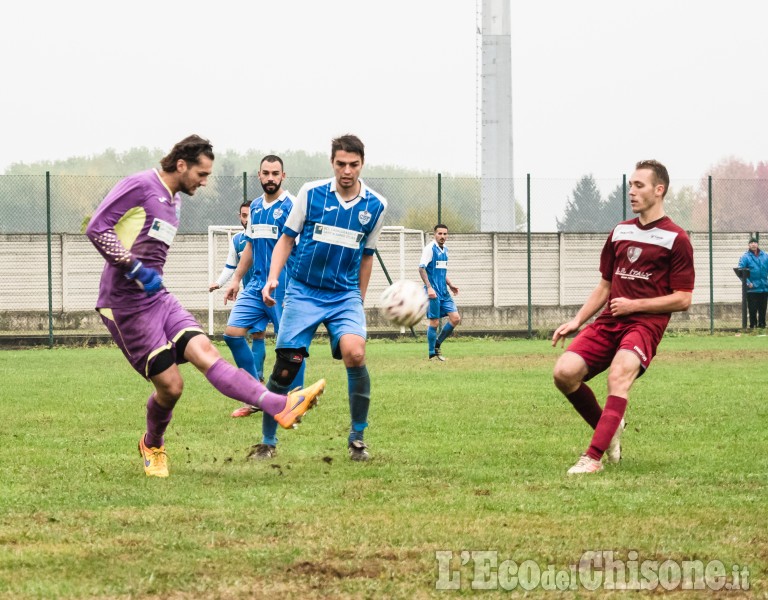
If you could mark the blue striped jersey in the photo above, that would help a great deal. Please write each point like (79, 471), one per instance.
(235, 252)
(434, 260)
(334, 235)
(265, 226)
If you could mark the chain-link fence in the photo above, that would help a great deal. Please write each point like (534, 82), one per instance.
(524, 252)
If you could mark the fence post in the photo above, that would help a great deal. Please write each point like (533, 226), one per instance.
(528, 235)
(624, 196)
(50, 259)
(711, 264)
(245, 186)
(439, 198)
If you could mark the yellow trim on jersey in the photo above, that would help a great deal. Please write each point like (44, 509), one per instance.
(106, 312)
(152, 354)
(130, 225)
(183, 331)
(164, 184)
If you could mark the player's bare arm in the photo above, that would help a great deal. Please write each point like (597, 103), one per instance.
(594, 303)
(675, 302)
(246, 260)
(423, 274)
(366, 266)
(279, 257)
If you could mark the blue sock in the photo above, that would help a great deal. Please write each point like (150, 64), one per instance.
(431, 339)
(259, 351)
(268, 423)
(241, 353)
(359, 385)
(298, 381)
(447, 330)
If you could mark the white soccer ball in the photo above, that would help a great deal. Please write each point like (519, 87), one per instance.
(404, 303)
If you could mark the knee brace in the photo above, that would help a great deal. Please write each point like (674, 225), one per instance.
(287, 365)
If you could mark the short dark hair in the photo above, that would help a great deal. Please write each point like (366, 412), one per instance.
(189, 150)
(440, 226)
(348, 143)
(659, 172)
(272, 158)
(245, 204)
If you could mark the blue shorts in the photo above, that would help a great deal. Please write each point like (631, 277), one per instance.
(250, 312)
(440, 307)
(307, 307)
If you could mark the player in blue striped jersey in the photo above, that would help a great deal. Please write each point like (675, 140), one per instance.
(338, 222)
(236, 246)
(433, 270)
(266, 219)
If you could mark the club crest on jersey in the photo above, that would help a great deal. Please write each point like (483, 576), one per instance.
(278, 213)
(633, 253)
(364, 217)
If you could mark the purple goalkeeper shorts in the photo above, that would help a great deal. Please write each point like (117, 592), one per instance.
(143, 333)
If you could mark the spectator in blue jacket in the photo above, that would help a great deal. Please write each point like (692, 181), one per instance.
(756, 261)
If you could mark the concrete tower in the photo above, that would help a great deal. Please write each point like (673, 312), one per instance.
(497, 210)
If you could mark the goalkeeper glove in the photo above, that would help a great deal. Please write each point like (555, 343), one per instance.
(147, 279)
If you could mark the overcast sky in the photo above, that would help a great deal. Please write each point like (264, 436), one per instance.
(597, 84)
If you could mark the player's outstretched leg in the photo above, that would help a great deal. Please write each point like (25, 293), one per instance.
(239, 385)
(298, 403)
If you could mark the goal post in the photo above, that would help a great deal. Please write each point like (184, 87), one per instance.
(219, 240)
(398, 253)
(398, 248)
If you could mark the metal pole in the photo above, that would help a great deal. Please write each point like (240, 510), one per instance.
(528, 235)
(245, 186)
(50, 260)
(711, 266)
(624, 196)
(439, 198)
(743, 302)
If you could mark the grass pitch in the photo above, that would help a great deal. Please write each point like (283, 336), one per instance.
(469, 455)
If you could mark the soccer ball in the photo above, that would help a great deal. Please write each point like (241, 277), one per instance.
(404, 303)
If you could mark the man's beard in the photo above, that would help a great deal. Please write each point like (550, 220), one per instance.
(270, 188)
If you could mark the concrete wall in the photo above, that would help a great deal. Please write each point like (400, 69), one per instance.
(491, 271)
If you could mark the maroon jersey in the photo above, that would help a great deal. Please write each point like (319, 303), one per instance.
(646, 261)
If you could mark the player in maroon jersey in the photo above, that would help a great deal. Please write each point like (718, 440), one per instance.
(647, 273)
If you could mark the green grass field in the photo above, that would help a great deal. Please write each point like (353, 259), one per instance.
(469, 455)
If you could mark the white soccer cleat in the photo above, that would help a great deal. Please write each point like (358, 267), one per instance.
(585, 464)
(613, 453)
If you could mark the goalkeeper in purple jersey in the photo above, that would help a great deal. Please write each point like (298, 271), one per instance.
(133, 229)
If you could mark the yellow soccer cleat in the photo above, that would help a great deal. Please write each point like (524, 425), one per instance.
(155, 460)
(299, 402)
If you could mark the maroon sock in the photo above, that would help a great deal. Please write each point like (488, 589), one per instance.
(586, 405)
(239, 385)
(607, 427)
(158, 417)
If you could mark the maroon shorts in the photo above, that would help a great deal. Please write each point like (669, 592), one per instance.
(143, 333)
(598, 343)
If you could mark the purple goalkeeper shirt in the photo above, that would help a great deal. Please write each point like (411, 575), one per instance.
(137, 220)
